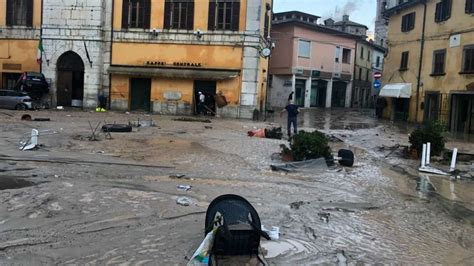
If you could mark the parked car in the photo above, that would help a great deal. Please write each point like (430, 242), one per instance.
(17, 100)
(33, 83)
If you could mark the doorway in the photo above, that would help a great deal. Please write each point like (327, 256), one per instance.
(431, 108)
(300, 88)
(70, 86)
(338, 94)
(462, 113)
(208, 88)
(318, 93)
(140, 94)
(401, 109)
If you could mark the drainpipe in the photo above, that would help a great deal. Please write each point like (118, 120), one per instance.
(110, 56)
(41, 33)
(354, 73)
(422, 48)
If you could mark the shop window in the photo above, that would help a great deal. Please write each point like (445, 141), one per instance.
(408, 22)
(404, 61)
(443, 11)
(224, 15)
(469, 6)
(304, 48)
(136, 14)
(10, 80)
(468, 59)
(439, 58)
(19, 13)
(346, 56)
(179, 14)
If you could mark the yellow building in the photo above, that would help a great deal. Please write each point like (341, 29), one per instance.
(165, 52)
(429, 70)
(20, 23)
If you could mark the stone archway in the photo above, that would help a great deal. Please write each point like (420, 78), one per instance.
(70, 85)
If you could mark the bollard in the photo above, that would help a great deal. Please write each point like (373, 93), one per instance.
(428, 153)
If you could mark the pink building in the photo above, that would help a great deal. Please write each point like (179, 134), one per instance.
(311, 60)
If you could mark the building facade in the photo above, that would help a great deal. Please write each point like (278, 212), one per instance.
(368, 61)
(381, 22)
(172, 50)
(143, 55)
(20, 31)
(346, 25)
(314, 62)
(431, 54)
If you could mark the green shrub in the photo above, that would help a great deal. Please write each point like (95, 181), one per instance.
(433, 133)
(308, 145)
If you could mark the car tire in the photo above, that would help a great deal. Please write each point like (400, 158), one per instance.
(116, 128)
(21, 106)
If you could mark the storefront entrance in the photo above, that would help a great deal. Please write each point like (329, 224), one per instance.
(318, 93)
(140, 94)
(300, 88)
(208, 88)
(432, 107)
(339, 94)
(70, 86)
(462, 113)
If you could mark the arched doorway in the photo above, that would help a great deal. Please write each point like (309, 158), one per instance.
(70, 86)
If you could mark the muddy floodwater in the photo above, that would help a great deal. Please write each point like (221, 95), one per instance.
(75, 201)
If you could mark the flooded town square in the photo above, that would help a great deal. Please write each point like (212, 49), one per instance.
(114, 201)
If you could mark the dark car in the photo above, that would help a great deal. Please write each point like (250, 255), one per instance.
(33, 83)
(17, 100)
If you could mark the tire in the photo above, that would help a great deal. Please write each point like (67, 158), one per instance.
(121, 128)
(21, 107)
(347, 157)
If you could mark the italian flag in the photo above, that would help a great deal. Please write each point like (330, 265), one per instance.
(39, 55)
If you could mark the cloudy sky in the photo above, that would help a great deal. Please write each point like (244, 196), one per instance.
(362, 11)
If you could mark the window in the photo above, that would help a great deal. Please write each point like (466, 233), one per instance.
(338, 54)
(469, 6)
(468, 60)
(368, 56)
(136, 14)
(404, 61)
(443, 11)
(346, 56)
(304, 48)
(179, 14)
(408, 22)
(19, 13)
(224, 15)
(381, 42)
(439, 58)
(377, 62)
(360, 73)
(361, 52)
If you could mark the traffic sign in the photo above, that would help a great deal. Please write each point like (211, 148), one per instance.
(377, 84)
(377, 75)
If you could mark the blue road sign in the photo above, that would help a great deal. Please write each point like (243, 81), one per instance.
(377, 84)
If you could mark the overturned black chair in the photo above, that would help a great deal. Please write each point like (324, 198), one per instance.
(240, 231)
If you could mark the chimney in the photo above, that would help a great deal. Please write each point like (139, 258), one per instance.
(329, 22)
(345, 18)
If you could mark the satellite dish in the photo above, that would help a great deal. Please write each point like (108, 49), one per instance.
(266, 52)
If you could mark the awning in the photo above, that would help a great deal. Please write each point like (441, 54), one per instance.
(174, 72)
(396, 90)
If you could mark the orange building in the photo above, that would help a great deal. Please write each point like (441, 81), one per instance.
(164, 52)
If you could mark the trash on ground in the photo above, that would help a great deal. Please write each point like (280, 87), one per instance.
(324, 216)
(190, 119)
(60, 107)
(269, 133)
(184, 187)
(119, 128)
(425, 161)
(32, 143)
(309, 165)
(274, 233)
(297, 204)
(184, 201)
